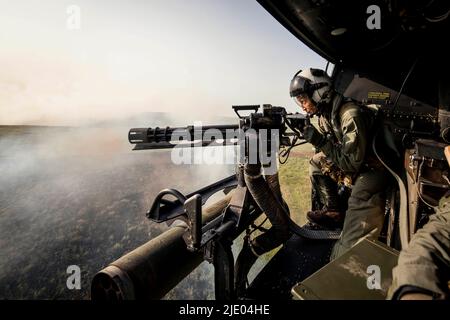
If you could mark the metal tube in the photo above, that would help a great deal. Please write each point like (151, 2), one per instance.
(153, 269)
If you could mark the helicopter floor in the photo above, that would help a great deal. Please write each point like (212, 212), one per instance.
(298, 259)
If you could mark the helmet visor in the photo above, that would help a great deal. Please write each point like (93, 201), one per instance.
(300, 85)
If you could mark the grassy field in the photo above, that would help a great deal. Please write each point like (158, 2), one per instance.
(295, 183)
(296, 190)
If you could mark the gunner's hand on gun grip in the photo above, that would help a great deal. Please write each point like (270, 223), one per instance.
(313, 136)
(307, 121)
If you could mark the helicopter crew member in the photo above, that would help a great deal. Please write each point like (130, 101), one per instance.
(343, 138)
(423, 269)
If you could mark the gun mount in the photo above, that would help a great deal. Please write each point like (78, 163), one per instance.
(207, 234)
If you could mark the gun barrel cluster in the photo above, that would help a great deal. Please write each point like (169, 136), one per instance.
(189, 136)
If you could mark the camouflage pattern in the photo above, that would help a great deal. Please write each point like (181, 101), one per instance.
(334, 172)
(424, 266)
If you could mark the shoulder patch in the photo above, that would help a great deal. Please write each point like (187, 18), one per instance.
(349, 109)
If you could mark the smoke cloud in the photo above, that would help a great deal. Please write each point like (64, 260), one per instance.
(78, 196)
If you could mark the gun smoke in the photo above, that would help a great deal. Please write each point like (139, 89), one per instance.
(78, 196)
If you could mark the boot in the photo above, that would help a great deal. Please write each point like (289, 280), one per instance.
(244, 262)
(330, 216)
(326, 218)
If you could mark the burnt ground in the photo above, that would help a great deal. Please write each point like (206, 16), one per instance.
(78, 196)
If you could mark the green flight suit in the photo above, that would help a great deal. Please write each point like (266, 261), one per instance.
(424, 266)
(351, 129)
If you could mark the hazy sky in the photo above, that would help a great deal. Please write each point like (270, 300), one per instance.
(130, 56)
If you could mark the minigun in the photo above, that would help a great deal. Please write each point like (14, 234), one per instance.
(272, 118)
(199, 234)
